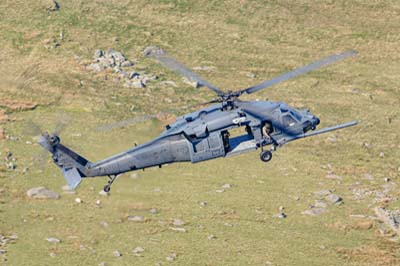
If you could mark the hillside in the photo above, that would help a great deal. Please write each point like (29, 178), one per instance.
(220, 212)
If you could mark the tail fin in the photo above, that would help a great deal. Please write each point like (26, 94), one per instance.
(73, 166)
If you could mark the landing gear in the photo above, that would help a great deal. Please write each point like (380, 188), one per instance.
(266, 156)
(111, 180)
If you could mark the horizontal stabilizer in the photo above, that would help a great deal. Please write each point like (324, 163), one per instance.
(72, 176)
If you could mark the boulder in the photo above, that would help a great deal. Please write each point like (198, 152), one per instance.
(42, 193)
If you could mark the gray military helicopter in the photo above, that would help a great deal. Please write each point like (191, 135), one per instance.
(204, 134)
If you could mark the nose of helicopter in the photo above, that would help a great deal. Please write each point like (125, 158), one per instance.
(314, 122)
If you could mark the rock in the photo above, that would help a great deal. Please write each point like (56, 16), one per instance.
(103, 263)
(389, 218)
(104, 224)
(211, 237)
(178, 229)
(281, 208)
(171, 257)
(153, 211)
(98, 53)
(53, 240)
(280, 215)
(126, 63)
(54, 6)
(320, 204)
(133, 75)
(138, 84)
(226, 186)
(42, 193)
(53, 254)
(192, 83)
(178, 222)
(314, 211)
(137, 251)
(3, 251)
(136, 218)
(116, 253)
(250, 75)
(322, 193)
(153, 51)
(334, 199)
(382, 154)
(115, 39)
(220, 190)
(103, 193)
(203, 203)
(78, 200)
(118, 57)
(96, 67)
(98, 202)
(386, 179)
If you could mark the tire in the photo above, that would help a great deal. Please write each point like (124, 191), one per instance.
(266, 156)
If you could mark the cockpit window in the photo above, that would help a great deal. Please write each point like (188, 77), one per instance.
(288, 121)
(296, 115)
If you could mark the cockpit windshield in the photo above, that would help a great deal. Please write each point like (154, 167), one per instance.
(296, 115)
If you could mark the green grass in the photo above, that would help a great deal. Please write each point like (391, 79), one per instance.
(263, 37)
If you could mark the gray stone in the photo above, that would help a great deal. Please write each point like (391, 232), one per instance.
(103, 263)
(116, 253)
(334, 199)
(116, 55)
(53, 240)
(226, 186)
(126, 63)
(153, 51)
(322, 193)
(98, 53)
(178, 229)
(220, 190)
(103, 193)
(280, 215)
(203, 203)
(320, 204)
(211, 237)
(153, 211)
(314, 211)
(137, 251)
(133, 75)
(42, 193)
(96, 67)
(171, 257)
(138, 84)
(192, 83)
(3, 251)
(178, 222)
(136, 218)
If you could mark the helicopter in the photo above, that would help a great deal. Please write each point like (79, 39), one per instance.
(204, 134)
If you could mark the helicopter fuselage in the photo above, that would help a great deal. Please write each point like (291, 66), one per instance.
(204, 135)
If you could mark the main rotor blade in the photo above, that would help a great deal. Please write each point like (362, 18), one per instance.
(302, 70)
(169, 62)
(125, 123)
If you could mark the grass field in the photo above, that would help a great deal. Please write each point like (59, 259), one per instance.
(39, 68)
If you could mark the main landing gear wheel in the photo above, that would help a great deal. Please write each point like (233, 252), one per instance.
(266, 156)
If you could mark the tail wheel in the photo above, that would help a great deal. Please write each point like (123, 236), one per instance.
(266, 156)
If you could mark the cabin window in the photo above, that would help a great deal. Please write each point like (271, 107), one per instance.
(288, 121)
